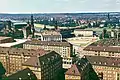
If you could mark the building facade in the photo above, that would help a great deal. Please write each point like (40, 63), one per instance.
(63, 48)
(49, 36)
(85, 33)
(12, 58)
(107, 68)
(101, 51)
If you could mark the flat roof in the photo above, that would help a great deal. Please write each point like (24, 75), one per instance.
(18, 41)
(48, 43)
(51, 32)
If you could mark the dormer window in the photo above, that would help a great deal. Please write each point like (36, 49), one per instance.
(79, 64)
(42, 62)
(73, 71)
(20, 78)
(37, 64)
(94, 62)
(52, 57)
(104, 49)
(48, 59)
(113, 63)
(100, 63)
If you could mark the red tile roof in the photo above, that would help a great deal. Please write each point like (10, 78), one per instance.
(102, 49)
(73, 70)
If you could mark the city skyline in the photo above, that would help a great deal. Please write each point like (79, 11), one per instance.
(59, 6)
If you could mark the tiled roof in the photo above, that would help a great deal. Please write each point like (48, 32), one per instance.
(73, 70)
(49, 43)
(33, 61)
(104, 61)
(50, 33)
(102, 49)
(20, 51)
(77, 68)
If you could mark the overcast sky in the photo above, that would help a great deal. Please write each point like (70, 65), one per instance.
(43, 6)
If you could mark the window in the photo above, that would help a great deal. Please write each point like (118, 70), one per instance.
(118, 76)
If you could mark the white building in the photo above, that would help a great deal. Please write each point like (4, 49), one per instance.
(49, 36)
(82, 32)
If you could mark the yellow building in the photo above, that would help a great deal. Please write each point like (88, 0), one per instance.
(102, 51)
(63, 48)
(12, 58)
(44, 64)
(107, 68)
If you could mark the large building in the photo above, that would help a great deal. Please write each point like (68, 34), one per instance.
(82, 32)
(44, 64)
(63, 48)
(81, 70)
(49, 36)
(12, 58)
(46, 67)
(107, 68)
(102, 51)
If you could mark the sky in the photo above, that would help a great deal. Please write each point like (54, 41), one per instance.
(56, 6)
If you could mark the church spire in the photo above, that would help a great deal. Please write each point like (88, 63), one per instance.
(32, 25)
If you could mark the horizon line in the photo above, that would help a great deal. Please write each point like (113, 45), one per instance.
(58, 12)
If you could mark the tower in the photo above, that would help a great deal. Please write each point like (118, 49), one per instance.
(108, 16)
(32, 26)
(56, 25)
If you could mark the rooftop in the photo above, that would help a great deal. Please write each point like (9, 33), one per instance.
(73, 70)
(21, 51)
(77, 68)
(106, 42)
(42, 59)
(104, 61)
(102, 48)
(49, 43)
(18, 41)
(45, 33)
(25, 74)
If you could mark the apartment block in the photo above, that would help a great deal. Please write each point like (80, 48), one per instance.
(12, 58)
(107, 68)
(107, 51)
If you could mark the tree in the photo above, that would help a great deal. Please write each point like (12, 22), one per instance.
(104, 34)
(2, 70)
